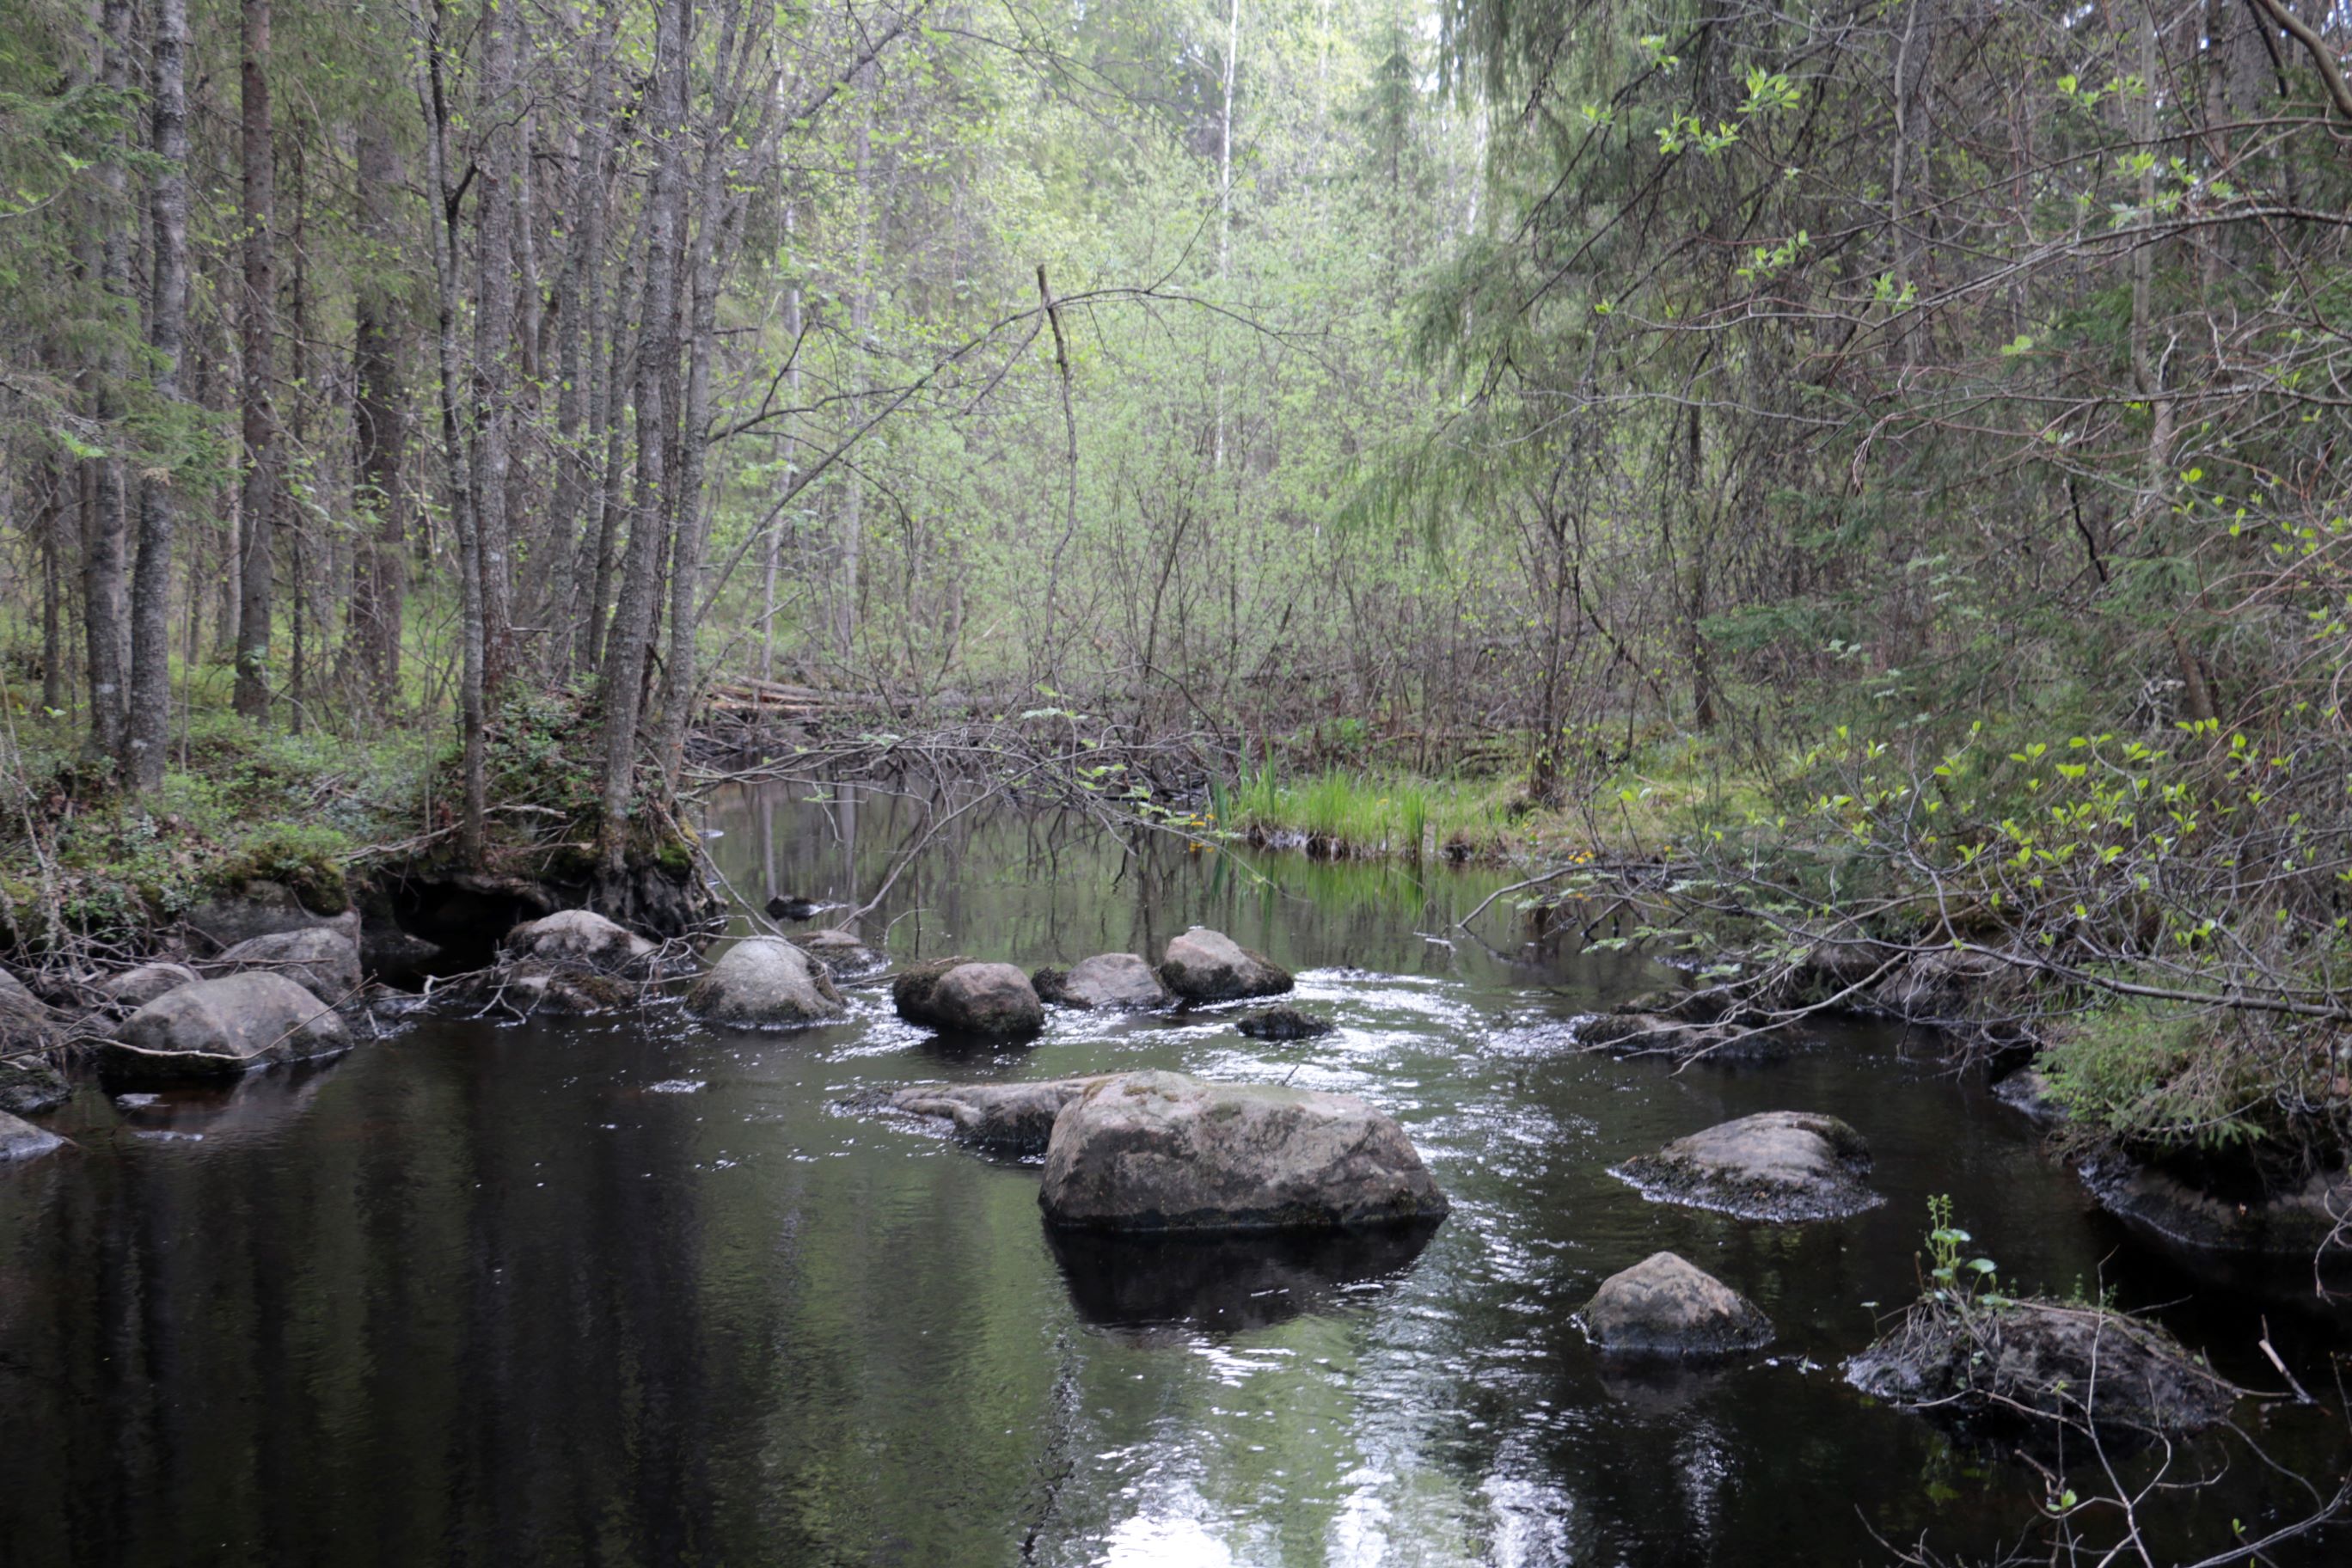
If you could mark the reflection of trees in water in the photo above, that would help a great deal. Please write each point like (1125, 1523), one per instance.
(1039, 884)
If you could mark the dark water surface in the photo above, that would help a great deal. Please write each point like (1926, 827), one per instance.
(639, 1292)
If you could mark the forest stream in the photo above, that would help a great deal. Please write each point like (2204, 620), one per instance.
(631, 1289)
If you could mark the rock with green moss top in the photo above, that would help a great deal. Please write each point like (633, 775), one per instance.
(765, 982)
(1204, 965)
(1775, 1165)
(1159, 1152)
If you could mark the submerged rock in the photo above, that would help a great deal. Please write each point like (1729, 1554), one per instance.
(1669, 1306)
(29, 1086)
(322, 962)
(220, 1028)
(1775, 1165)
(1107, 980)
(1162, 1151)
(577, 937)
(1204, 965)
(2299, 1222)
(22, 1140)
(958, 997)
(1285, 1024)
(1009, 1117)
(765, 982)
(2041, 1363)
(134, 988)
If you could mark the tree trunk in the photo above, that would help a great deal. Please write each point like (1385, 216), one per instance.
(149, 740)
(852, 521)
(258, 493)
(103, 623)
(494, 335)
(607, 503)
(714, 214)
(380, 430)
(53, 588)
(626, 654)
(432, 96)
(578, 296)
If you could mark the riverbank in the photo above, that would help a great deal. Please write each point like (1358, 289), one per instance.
(680, 1245)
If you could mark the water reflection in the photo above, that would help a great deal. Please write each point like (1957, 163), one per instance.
(1229, 1285)
(628, 1290)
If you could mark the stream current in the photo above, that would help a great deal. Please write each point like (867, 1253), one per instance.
(629, 1290)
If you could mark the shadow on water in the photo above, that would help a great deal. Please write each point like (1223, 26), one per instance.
(626, 1290)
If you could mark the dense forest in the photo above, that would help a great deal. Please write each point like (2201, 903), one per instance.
(1878, 461)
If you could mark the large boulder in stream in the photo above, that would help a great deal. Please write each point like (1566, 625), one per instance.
(1159, 1152)
(222, 1028)
(1774, 1165)
(1107, 980)
(1204, 965)
(322, 962)
(1664, 1304)
(2039, 1367)
(22, 1140)
(765, 982)
(1009, 1118)
(958, 997)
(579, 939)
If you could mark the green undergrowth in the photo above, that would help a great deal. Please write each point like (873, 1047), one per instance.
(80, 859)
(1670, 790)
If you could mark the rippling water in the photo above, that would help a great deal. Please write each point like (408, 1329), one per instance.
(639, 1292)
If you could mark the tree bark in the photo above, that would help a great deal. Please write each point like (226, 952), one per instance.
(493, 336)
(579, 295)
(623, 682)
(148, 738)
(258, 493)
(434, 98)
(380, 429)
(103, 624)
